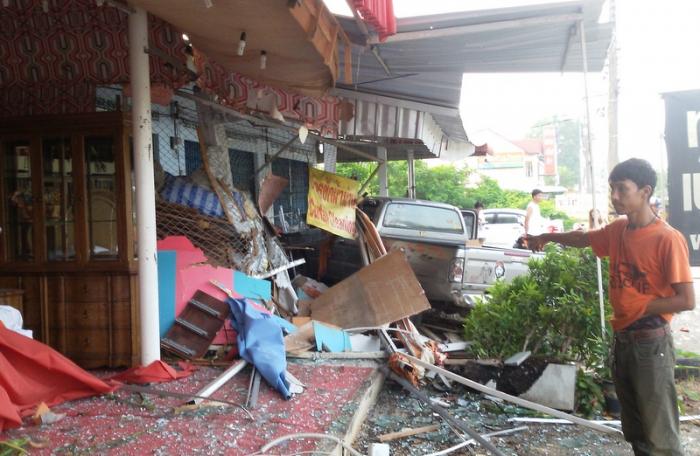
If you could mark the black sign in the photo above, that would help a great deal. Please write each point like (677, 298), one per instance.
(683, 148)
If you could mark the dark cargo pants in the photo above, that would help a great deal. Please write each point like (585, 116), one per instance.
(643, 363)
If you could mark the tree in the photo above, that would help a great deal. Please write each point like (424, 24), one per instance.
(444, 183)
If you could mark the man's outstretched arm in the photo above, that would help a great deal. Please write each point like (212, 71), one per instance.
(570, 239)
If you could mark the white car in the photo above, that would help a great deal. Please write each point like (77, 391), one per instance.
(503, 227)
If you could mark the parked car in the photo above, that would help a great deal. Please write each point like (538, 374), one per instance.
(503, 227)
(436, 239)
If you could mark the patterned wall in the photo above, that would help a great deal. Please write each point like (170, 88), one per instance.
(52, 60)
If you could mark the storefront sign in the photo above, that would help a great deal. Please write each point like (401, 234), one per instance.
(682, 146)
(332, 200)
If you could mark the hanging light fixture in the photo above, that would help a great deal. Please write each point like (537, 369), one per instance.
(263, 60)
(241, 44)
(208, 4)
(185, 38)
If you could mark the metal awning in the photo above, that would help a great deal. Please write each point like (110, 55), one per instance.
(425, 61)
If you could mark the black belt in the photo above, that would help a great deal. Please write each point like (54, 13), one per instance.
(642, 334)
(648, 322)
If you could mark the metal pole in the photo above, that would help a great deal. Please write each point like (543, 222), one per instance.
(601, 298)
(145, 188)
(383, 173)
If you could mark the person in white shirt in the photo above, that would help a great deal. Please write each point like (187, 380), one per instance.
(533, 218)
(479, 209)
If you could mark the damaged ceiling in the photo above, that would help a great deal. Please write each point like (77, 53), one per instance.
(300, 41)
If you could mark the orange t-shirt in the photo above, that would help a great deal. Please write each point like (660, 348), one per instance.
(644, 262)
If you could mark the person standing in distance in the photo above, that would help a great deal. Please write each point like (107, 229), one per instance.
(650, 280)
(533, 217)
(480, 216)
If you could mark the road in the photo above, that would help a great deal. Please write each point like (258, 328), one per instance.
(686, 325)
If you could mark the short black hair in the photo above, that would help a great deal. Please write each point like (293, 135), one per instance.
(478, 205)
(635, 169)
(536, 192)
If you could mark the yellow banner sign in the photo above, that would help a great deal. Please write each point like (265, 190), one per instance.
(332, 200)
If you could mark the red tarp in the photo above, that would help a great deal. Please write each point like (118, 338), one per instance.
(379, 14)
(156, 372)
(32, 373)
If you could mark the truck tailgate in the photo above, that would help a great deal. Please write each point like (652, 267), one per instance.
(483, 266)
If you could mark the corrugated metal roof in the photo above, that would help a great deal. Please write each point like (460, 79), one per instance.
(427, 64)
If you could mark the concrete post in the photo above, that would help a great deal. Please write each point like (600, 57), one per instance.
(145, 190)
(383, 172)
(411, 175)
(330, 154)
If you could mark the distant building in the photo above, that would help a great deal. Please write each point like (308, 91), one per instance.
(515, 165)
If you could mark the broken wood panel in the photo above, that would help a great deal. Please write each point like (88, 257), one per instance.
(383, 292)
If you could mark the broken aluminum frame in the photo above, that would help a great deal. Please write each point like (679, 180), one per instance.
(514, 399)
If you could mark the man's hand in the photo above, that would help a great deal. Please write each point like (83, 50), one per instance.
(536, 243)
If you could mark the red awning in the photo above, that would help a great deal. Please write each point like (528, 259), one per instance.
(379, 14)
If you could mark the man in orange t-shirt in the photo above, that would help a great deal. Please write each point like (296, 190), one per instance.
(650, 280)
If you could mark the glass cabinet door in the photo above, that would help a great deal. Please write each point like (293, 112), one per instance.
(59, 199)
(19, 206)
(102, 203)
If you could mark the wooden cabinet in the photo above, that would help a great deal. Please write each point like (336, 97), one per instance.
(67, 235)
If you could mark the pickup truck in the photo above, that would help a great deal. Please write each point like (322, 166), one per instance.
(440, 244)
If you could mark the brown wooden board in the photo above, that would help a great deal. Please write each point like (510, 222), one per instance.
(195, 328)
(383, 292)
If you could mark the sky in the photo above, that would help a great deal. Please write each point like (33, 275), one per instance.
(658, 51)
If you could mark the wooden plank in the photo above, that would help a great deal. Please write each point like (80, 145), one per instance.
(367, 402)
(408, 432)
(383, 292)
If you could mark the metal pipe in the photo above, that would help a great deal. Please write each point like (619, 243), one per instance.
(371, 176)
(145, 187)
(219, 381)
(589, 146)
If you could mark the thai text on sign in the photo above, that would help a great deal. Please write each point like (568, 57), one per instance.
(332, 200)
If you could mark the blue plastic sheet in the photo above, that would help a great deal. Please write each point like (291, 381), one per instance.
(261, 343)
